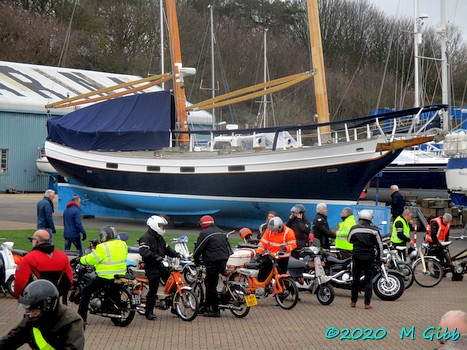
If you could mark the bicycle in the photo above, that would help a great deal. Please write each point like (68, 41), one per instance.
(427, 269)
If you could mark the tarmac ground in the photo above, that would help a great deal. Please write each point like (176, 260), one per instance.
(407, 323)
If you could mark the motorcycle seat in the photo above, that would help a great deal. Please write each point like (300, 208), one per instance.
(19, 252)
(296, 264)
(247, 245)
(332, 260)
(445, 244)
(133, 249)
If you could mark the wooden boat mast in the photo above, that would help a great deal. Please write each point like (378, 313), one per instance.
(318, 66)
(176, 58)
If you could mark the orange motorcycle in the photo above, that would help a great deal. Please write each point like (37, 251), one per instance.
(176, 295)
(262, 278)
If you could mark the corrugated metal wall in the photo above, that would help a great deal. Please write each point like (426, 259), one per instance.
(22, 134)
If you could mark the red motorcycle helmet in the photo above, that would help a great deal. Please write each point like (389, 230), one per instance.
(205, 221)
(245, 233)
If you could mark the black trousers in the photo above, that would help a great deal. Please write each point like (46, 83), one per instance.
(360, 267)
(86, 292)
(213, 269)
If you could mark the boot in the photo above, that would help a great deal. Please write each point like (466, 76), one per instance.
(368, 306)
(150, 316)
(212, 313)
(353, 304)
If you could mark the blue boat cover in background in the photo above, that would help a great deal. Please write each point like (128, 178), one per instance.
(136, 122)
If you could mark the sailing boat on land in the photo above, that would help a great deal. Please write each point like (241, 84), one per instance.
(127, 161)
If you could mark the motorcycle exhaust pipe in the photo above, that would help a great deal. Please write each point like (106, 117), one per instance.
(230, 307)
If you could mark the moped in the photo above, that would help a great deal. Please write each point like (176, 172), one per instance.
(8, 266)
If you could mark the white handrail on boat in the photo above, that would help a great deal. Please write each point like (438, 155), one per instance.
(347, 137)
(394, 127)
(415, 121)
(427, 122)
(319, 136)
(381, 130)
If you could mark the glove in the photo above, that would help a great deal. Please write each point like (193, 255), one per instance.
(180, 256)
(84, 237)
(283, 249)
(54, 231)
(159, 259)
(256, 258)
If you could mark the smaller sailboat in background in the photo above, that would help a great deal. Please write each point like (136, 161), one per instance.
(455, 146)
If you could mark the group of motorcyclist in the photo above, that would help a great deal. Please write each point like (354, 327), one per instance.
(361, 240)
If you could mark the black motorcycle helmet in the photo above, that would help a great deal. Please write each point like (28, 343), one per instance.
(107, 233)
(40, 294)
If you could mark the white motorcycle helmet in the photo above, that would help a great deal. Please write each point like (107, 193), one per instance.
(157, 223)
(365, 214)
(275, 224)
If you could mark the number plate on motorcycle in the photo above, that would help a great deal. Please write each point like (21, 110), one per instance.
(251, 300)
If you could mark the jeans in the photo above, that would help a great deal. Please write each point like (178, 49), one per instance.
(76, 242)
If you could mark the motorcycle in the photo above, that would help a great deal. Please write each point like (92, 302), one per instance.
(188, 266)
(308, 274)
(396, 262)
(387, 284)
(282, 286)
(176, 295)
(114, 301)
(7, 268)
(232, 295)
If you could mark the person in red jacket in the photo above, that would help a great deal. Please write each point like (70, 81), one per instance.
(278, 238)
(44, 262)
(436, 232)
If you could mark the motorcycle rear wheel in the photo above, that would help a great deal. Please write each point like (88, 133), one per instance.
(10, 284)
(389, 289)
(289, 298)
(186, 305)
(125, 307)
(325, 294)
(433, 274)
(238, 299)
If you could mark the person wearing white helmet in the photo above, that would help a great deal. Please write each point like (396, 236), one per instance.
(278, 238)
(367, 246)
(153, 248)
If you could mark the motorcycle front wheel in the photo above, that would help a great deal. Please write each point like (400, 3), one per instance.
(325, 294)
(289, 298)
(185, 304)
(432, 275)
(238, 300)
(389, 289)
(189, 274)
(125, 307)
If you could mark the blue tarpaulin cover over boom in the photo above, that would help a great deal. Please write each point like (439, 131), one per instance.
(137, 122)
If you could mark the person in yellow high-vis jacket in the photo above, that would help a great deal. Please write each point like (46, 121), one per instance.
(341, 242)
(401, 230)
(109, 259)
(47, 324)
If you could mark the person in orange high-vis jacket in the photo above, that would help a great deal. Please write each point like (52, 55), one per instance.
(436, 232)
(278, 238)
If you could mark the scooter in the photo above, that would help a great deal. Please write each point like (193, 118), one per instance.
(187, 264)
(7, 267)
(308, 274)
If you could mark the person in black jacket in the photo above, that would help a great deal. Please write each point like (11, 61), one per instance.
(46, 324)
(213, 248)
(301, 227)
(153, 248)
(367, 246)
(397, 202)
(321, 229)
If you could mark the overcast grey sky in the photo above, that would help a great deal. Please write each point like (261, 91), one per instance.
(456, 11)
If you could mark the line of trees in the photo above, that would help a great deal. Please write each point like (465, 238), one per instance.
(368, 56)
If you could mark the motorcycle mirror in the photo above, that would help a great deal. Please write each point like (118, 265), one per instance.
(123, 236)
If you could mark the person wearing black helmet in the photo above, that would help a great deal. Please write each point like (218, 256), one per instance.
(153, 249)
(367, 247)
(301, 226)
(109, 259)
(47, 324)
(213, 249)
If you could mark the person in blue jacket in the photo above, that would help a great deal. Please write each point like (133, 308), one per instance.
(45, 210)
(73, 227)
